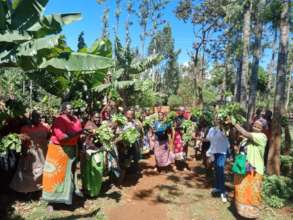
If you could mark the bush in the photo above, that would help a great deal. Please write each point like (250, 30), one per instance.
(174, 101)
(287, 165)
(277, 190)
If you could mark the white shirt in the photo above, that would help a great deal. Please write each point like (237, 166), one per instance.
(219, 141)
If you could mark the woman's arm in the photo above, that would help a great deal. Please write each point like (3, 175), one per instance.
(243, 131)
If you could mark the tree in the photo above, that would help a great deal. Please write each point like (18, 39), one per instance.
(245, 52)
(273, 166)
(81, 42)
(257, 47)
(105, 21)
(143, 14)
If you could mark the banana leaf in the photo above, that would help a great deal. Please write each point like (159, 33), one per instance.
(77, 62)
(52, 24)
(26, 13)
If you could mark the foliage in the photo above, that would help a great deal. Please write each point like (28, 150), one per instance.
(174, 101)
(199, 115)
(31, 42)
(232, 111)
(277, 190)
(150, 120)
(171, 116)
(188, 128)
(119, 118)
(287, 165)
(10, 142)
(130, 136)
(104, 135)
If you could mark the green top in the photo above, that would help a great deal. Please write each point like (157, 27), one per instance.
(256, 150)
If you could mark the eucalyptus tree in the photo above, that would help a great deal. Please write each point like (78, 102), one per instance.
(258, 23)
(117, 16)
(105, 22)
(273, 166)
(206, 17)
(143, 15)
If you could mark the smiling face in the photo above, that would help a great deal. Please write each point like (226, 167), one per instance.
(257, 126)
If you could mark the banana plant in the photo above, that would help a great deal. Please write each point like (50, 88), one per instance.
(125, 74)
(32, 42)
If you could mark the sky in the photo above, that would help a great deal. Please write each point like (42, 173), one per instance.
(91, 24)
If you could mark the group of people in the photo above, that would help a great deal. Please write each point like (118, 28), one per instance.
(51, 153)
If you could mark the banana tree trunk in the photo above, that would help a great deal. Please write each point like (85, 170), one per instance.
(280, 98)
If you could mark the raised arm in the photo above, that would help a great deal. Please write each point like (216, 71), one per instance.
(243, 131)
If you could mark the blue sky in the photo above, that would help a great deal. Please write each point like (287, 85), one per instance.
(91, 24)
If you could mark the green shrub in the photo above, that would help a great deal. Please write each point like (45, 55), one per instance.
(277, 190)
(287, 165)
(174, 101)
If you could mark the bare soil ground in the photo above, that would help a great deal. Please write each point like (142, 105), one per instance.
(181, 195)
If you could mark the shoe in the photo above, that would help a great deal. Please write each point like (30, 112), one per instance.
(224, 198)
(216, 193)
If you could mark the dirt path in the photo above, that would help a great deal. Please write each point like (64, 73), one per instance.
(181, 195)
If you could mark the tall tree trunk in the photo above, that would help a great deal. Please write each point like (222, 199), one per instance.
(271, 68)
(237, 92)
(245, 55)
(287, 134)
(255, 64)
(280, 98)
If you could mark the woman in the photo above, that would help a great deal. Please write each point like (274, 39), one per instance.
(164, 157)
(29, 171)
(58, 182)
(217, 152)
(92, 159)
(178, 144)
(248, 187)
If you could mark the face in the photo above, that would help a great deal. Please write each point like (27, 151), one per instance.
(96, 119)
(129, 115)
(161, 116)
(68, 110)
(257, 126)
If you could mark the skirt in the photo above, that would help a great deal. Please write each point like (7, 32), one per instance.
(248, 194)
(92, 172)
(28, 175)
(164, 157)
(58, 181)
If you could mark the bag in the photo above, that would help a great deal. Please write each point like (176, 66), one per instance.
(239, 166)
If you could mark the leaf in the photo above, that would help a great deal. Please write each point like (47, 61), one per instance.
(102, 47)
(26, 13)
(14, 37)
(52, 24)
(77, 62)
(101, 88)
(54, 83)
(33, 47)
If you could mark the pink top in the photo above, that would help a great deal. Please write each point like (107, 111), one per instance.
(62, 126)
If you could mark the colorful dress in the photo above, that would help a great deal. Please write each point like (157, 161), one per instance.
(28, 176)
(92, 163)
(58, 179)
(248, 187)
(164, 157)
(179, 148)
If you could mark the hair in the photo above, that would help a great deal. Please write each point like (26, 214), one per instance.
(64, 105)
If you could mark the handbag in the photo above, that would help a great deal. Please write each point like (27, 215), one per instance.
(239, 165)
